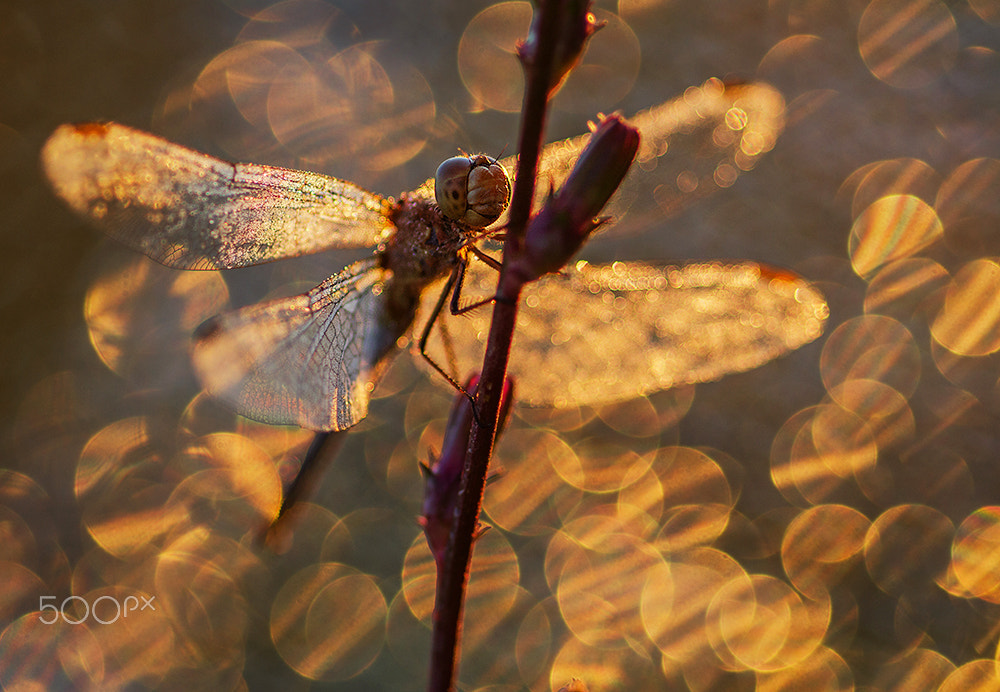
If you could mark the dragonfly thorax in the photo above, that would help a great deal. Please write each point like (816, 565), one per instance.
(425, 244)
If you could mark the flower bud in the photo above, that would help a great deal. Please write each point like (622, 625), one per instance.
(444, 475)
(556, 233)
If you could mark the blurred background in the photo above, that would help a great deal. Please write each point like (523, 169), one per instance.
(830, 521)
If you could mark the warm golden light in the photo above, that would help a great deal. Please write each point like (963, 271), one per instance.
(826, 519)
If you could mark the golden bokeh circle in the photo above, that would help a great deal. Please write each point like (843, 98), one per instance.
(980, 675)
(906, 289)
(989, 10)
(694, 578)
(821, 545)
(968, 323)
(494, 574)
(820, 452)
(758, 622)
(871, 347)
(919, 668)
(970, 208)
(595, 587)
(976, 551)
(905, 176)
(304, 612)
(824, 670)
(487, 63)
(907, 549)
(530, 497)
(907, 43)
(891, 228)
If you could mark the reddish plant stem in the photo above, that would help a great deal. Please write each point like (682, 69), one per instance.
(451, 584)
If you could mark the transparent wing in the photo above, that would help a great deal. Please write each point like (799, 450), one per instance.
(597, 334)
(192, 211)
(310, 360)
(690, 147)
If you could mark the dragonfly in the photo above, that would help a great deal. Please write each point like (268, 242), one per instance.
(588, 335)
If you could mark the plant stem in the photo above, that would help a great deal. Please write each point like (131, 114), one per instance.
(452, 583)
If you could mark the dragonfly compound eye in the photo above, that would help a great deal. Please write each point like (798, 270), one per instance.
(472, 190)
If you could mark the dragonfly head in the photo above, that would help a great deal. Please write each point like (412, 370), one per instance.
(473, 190)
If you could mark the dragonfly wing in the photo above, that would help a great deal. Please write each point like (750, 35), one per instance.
(309, 360)
(192, 211)
(689, 147)
(597, 334)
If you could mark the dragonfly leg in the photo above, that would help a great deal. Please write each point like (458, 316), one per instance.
(456, 307)
(491, 261)
(450, 287)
